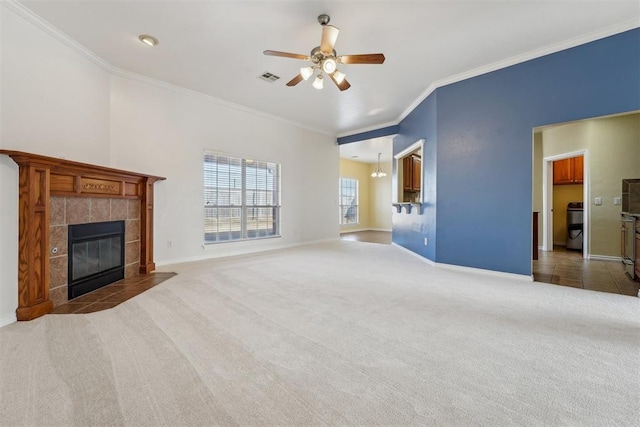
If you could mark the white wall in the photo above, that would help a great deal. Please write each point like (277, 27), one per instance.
(54, 101)
(164, 132)
(8, 240)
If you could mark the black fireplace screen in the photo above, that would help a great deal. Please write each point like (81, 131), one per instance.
(96, 256)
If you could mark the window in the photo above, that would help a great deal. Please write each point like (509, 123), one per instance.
(349, 213)
(241, 198)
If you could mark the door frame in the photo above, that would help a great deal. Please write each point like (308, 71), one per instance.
(547, 200)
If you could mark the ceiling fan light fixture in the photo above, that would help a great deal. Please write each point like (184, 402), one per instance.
(338, 76)
(148, 40)
(318, 83)
(306, 72)
(329, 65)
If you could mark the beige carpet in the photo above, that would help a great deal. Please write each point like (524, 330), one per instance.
(341, 333)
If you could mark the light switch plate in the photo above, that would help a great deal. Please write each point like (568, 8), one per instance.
(597, 201)
(617, 201)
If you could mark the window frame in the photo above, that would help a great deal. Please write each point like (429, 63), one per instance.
(343, 209)
(236, 182)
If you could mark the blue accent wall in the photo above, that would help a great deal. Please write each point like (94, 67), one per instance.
(409, 230)
(479, 138)
(376, 133)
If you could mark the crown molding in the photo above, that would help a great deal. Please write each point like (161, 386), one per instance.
(518, 59)
(118, 72)
(54, 32)
(40, 23)
(31, 17)
(369, 128)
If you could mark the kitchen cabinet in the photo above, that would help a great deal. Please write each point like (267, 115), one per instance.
(411, 172)
(568, 171)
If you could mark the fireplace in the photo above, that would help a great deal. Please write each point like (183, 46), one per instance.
(101, 193)
(96, 256)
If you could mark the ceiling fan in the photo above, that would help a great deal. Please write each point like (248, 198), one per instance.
(324, 58)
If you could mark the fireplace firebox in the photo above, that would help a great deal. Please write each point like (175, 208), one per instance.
(96, 256)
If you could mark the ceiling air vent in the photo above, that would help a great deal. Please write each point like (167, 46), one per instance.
(268, 77)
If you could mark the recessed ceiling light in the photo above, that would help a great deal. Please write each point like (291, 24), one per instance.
(148, 40)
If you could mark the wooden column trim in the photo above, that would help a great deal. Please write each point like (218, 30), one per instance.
(33, 241)
(146, 228)
(40, 177)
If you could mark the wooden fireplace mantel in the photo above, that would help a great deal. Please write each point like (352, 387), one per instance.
(41, 177)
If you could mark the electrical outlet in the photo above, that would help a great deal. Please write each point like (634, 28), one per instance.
(169, 243)
(597, 201)
(426, 242)
(617, 201)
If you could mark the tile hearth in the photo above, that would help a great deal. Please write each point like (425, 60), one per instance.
(111, 295)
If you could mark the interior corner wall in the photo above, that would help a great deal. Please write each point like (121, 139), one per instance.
(484, 150)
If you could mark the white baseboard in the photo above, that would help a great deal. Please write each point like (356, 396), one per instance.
(604, 258)
(410, 252)
(467, 269)
(352, 230)
(453, 267)
(237, 252)
(7, 320)
(356, 230)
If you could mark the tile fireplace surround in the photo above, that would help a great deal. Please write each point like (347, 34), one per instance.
(54, 193)
(74, 210)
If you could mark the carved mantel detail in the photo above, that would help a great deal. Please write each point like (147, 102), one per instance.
(41, 177)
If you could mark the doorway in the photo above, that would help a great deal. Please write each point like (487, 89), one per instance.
(610, 146)
(558, 194)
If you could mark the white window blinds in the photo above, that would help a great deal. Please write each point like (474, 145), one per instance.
(241, 198)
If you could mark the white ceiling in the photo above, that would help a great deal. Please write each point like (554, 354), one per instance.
(367, 151)
(215, 47)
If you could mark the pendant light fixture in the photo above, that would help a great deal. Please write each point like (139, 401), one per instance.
(378, 173)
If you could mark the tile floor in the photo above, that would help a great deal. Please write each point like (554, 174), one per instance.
(568, 268)
(561, 267)
(111, 295)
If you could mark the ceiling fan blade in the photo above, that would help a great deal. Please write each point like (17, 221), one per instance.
(294, 81)
(367, 58)
(285, 54)
(329, 36)
(344, 85)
